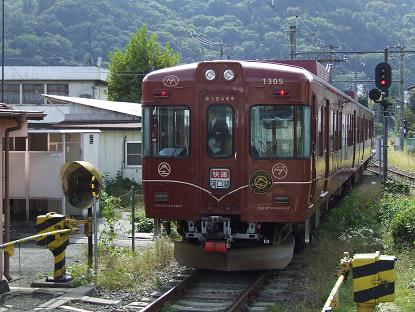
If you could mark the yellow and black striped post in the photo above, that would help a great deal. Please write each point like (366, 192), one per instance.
(56, 243)
(373, 280)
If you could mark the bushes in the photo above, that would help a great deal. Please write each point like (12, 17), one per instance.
(394, 187)
(403, 227)
(144, 224)
(397, 215)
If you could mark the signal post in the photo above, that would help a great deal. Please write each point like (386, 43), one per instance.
(383, 80)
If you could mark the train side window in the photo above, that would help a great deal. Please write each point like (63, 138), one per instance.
(320, 131)
(303, 131)
(166, 131)
(341, 130)
(219, 131)
(331, 131)
(272, 131)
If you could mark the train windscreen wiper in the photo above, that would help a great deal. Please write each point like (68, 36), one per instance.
(265, 148)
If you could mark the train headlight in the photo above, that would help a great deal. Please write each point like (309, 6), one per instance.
(210, 74)
(229, 74)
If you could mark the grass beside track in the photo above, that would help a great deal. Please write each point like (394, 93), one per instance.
(119, 268)
(355, 226)
(402, 160)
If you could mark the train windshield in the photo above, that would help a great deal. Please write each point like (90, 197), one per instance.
(166, 131)
(280, 131)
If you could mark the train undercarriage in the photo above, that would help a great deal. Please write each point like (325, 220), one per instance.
(224, 243)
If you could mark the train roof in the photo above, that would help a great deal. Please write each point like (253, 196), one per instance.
(311, 70)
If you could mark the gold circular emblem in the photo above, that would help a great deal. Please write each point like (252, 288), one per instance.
(260, 182)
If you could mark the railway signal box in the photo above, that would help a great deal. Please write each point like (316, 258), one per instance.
(383, 76)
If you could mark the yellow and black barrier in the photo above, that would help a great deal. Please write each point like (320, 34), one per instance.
(373, 278)
(9, 247)
(373, 281)
(55, 243)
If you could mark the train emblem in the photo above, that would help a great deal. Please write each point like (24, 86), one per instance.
(279, 171)
(171, 81)
(260, 182)
(164, 169)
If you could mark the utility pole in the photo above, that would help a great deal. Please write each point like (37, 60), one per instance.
(385, 129)
(401, 100)
(293, 42)
(2, 55)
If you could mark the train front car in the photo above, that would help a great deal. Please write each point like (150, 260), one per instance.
(227, 149)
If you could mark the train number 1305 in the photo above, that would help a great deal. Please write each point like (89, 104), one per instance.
(272, 81)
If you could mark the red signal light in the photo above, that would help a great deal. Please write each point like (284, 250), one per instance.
(281, 92)
(161, 93)
(383, 82)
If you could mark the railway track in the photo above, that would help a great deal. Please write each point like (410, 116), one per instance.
(205, 290)
(396, 173)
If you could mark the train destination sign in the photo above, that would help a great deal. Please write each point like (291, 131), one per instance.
(220, 178)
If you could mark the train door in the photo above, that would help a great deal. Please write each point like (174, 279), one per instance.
(354, 137)
(314, 145)
(221, 154)
(327, 127)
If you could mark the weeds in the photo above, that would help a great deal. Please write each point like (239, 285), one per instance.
(402, 160)
(122, 269)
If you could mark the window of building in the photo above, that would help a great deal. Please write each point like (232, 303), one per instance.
(16, 144)
(133, 153)
(32, 93)
(219, 130)
(58, 89)
(38, 142)
(167, 130)
(55, 142)
(11, 93)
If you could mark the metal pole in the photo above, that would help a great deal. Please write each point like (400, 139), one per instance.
(293, 42)
(94, 205)
(380, 155)
(401, 101)
(385, 140)
(90, 245)
(132, 220)
(2, 56)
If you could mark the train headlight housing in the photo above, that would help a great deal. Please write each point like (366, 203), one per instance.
(210, 75)
(229, 74)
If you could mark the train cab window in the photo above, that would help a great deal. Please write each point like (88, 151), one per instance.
(219, 131)
(272, 131)
(166, 131)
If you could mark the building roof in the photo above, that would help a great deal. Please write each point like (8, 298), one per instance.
(8, 111)
(128, 108)
(100, 125)
(63, 130)
(36, 73)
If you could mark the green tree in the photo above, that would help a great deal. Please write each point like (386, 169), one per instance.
(127, 68)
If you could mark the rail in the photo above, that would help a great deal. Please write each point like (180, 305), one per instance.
(235, 303)
(410, 178)
(243, 299)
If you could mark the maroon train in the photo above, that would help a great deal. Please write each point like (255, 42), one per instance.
(244, 154)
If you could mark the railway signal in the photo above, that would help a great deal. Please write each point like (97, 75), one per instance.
(383, 76)
(383, 80)
(375, 95)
